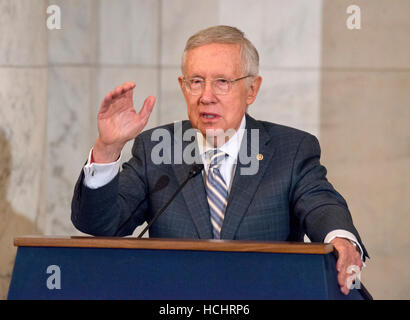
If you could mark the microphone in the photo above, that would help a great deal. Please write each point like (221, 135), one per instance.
(193, 171)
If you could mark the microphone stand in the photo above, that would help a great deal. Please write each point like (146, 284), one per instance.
(195, 169)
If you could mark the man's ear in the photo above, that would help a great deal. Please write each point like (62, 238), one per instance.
(180, 83)
(253, 90)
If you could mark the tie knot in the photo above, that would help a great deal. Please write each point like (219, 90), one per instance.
(216, 156)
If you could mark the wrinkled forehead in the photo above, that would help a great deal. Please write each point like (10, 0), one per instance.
(215, 59)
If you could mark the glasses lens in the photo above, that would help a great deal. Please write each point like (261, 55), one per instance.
(221, 86)
(195, 85)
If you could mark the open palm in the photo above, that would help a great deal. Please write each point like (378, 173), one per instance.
(118, 122)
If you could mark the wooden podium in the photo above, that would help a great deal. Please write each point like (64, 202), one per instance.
(169, 269)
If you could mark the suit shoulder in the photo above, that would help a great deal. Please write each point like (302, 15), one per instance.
(282, 132)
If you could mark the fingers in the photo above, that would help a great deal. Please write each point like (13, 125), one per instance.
(120, 99)
(348, 264)
(110, 97)
(147, 106)
(341, 266)
(347, 279)
(147, 109)
(119, 91)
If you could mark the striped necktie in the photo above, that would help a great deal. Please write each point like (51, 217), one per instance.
(217, 192)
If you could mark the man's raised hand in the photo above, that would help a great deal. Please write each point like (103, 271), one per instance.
(118, 122)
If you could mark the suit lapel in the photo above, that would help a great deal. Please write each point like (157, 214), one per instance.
(244, 186)
(194, 191)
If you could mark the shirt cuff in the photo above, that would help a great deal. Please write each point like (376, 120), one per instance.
(339, 233)
(97, 175)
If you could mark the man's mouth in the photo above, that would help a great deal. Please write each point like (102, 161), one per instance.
(207, 115)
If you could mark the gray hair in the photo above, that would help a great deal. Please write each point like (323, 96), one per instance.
(226, 35)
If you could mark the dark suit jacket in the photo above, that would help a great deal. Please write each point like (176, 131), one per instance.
(288, 197)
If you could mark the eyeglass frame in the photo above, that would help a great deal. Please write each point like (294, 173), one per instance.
(187, 87)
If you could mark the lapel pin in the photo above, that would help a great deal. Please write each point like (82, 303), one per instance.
(259, 156)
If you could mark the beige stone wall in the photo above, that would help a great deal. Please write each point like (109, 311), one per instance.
(23, 107)
(365, 132)
(350, 88)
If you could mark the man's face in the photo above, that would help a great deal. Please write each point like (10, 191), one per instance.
(208, 111)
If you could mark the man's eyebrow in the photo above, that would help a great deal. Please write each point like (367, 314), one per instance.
(196, 76)
(220, 75)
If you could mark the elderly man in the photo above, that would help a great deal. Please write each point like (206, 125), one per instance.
(286, 197)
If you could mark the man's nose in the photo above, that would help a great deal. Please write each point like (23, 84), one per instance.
(208, 95)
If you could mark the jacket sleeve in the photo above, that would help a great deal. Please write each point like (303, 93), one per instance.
(317, 206)
(117, 208)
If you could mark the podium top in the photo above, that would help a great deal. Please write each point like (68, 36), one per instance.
(174, 244)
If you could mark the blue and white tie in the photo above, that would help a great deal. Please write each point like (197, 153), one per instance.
(217, 192)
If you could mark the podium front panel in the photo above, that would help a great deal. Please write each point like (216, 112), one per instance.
(118, 273)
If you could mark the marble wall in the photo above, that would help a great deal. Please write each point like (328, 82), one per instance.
(365, 131)
(288, 38)
(23, 121)
(317, 76)
(72, 59)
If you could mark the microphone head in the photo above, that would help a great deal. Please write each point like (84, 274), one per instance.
(195, 169)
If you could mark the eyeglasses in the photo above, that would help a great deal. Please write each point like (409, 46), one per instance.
(220, 86)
